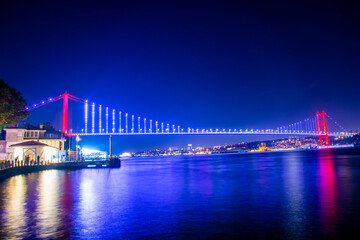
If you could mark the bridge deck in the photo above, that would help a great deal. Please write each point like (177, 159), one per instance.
(211, 133)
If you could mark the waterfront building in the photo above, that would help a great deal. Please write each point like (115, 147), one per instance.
(40, 143)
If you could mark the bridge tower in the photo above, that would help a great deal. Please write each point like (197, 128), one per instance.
(65, 98)
(322, 128)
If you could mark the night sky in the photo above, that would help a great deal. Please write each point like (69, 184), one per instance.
(204, 65)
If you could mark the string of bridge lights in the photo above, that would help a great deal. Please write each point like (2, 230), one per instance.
(146, 127)
(309, 126)
(42, 103)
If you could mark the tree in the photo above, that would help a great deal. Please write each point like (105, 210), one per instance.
(12, 106)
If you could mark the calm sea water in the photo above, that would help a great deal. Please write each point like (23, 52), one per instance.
(287, 195)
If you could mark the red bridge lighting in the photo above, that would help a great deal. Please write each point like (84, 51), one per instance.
(322, 129)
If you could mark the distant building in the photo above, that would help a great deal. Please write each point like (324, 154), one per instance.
(91, 154)
(41, 143)
(189, 148)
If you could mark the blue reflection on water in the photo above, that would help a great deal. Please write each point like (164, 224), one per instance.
(292, 195)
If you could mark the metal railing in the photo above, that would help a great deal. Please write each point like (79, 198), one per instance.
(13, 163)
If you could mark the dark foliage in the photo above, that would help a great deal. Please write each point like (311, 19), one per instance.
(12, 106)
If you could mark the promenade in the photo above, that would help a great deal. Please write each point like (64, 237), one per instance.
(7, 169)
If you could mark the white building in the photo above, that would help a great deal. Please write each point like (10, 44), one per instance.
(34, 144)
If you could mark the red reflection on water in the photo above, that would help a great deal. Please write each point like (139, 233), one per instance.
(67, 206)
(67, 194)
(328, 192)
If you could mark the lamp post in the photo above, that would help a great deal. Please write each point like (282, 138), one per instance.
(77, 139)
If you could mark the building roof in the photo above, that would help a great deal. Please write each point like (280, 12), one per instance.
(30, 144)
(14, 128)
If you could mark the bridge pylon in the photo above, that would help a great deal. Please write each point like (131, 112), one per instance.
(322, 128)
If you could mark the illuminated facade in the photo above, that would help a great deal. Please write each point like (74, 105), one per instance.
(46, 143)
(33, 151)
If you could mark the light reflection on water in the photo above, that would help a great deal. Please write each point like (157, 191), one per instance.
(14, 218)
(293, 195)
(47, 215)
(328, 191)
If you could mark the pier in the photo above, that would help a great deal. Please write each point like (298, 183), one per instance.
(11, 171)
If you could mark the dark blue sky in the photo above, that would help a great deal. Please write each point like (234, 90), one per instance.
(213, 64)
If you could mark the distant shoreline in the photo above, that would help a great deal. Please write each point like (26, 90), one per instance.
(350, 146)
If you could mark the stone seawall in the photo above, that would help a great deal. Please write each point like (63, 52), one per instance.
(13, 171)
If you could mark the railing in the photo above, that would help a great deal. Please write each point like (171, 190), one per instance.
(12, 163)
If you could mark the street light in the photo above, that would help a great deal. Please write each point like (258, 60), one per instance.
(77, 139)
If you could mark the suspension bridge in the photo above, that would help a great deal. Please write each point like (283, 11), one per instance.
(100, 120)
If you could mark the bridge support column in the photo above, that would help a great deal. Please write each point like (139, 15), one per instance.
(110, 147)
(322, 128)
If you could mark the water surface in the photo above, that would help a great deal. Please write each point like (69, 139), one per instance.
(283, 195)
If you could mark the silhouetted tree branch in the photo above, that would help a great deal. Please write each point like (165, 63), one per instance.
(12, 106)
